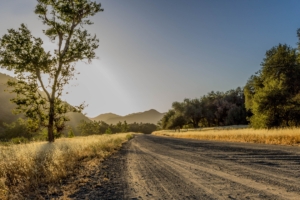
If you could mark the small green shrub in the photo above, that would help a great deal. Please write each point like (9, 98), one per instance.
(19, 140)
(108, 131)
(70, 133)
(129, 136)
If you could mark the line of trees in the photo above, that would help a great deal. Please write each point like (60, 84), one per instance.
(213, 109)
(96, 128)
(20, 130)
(270, 98)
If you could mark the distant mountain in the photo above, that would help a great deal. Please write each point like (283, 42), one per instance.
(75, 119)
(6, 107)
(105, 117)
(151, 116)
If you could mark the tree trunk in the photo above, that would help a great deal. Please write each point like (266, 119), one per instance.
(195, 124)
(51, 123)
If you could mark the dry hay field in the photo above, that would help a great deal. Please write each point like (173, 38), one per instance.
(288, 136)
(25, 167)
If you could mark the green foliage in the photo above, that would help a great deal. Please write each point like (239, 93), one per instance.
(236, 116)
(17, 129)
(124, 127)
(173, 119)
(272, 95)
(189, 111)
(92, 128)
(164, 122)
(19, 140)
(213, 109)
(97, 128)
(129, 136)
(71, 133)
(108, 131)
(145, 128)
(20, 129)
(24, 54)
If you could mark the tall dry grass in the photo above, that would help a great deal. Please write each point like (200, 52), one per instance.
(25, 167)
(273, 136)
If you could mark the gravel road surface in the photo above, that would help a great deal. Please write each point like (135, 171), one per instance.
(152, 167)
(169, 168)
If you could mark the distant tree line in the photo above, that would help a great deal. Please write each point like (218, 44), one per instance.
(100, 127)
(270, 98)
(20, 131)
(213, 109)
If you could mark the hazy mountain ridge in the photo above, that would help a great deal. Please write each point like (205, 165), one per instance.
(151, 116)
(106, 116)
(6, 115)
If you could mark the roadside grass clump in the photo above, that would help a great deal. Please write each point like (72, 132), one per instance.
(26, 167)
(290, 136)
(129, 136)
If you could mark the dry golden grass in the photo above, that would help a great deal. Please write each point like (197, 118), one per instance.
(25, 167)
(273, 136)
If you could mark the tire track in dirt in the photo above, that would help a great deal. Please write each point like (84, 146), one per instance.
(244, 170)
(151, 179)
(168, 168)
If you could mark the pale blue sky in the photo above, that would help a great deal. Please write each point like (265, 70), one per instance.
(155, 52)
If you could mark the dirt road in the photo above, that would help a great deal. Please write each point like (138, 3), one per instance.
(168, 168)
(152, 167)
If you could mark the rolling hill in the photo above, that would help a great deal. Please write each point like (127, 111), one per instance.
(6, 116)
(151, 116)
(6, 107)
(105, 117)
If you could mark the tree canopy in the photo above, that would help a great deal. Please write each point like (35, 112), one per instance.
(100, 127)
(213, 109)
(273, 94)
(24, 54)
(270, 98)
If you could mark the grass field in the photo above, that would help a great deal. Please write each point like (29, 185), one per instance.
(239, 134)
(25, 167)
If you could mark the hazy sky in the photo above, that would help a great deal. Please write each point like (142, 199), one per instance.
(155, 52)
